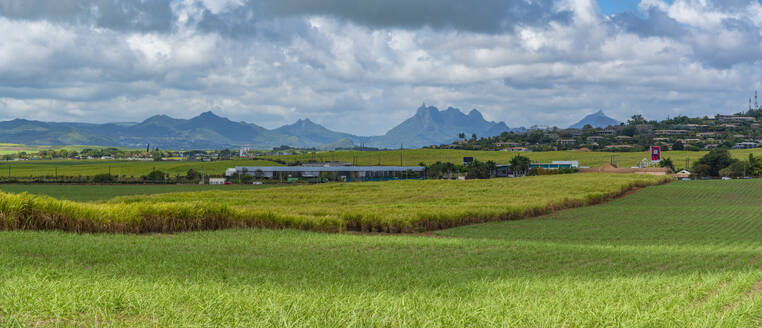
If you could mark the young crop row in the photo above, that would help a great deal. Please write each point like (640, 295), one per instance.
(391, 207)
(667, 256)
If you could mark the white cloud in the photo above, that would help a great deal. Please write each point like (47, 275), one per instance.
(366, 78)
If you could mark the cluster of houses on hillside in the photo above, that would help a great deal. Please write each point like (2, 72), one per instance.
(731, 131)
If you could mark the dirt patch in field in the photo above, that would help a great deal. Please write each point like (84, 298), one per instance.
(712, 293)
(754, 290)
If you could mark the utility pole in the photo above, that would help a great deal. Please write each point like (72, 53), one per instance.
(402, 155)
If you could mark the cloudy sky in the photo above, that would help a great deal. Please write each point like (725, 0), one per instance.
(364, 66)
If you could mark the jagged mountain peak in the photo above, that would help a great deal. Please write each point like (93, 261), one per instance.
(159, 120)
(432, 126)
(597, 120)
(423, 110)
(312, 134)
(157, 117)
(209, 130)
(209, 114)
(475, 114)
(307, 122)
(303, 123)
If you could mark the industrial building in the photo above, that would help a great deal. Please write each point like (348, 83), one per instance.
(504, 170)
(555, 165)
(746, 145)
(341, 173)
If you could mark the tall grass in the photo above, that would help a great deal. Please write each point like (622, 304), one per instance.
(390, 207)
(30, 212)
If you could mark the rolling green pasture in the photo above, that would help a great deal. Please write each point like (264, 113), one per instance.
(428, 156)
(685, 254)
(105, 192)
(117, 167)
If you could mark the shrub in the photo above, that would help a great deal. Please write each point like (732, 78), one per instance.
(520, 165)
(712, 163)
(156, 176)
(104, 178)
(737, 169)
(480, 170)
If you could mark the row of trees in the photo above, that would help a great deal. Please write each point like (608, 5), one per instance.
(447, 170)
(520, 165)
(116, 153)
(718, 162)
(156, 176)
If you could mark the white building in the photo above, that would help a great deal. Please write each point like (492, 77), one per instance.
(216, 181)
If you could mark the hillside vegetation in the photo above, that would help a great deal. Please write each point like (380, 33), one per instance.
(399, 206)
(685, 254)
(429, 156)
(74, 168)
(9, 148)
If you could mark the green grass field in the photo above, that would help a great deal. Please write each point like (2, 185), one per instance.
(8, 148)
(428, 156)
(395, 206)
(121, 168)
(411, 157)
(685, 254)
(87, 193)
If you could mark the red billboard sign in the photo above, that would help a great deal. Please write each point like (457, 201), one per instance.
(655, 153)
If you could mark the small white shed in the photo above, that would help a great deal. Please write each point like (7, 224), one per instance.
(216, 181)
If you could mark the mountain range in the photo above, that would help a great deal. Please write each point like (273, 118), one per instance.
(596, 120)
(429, 126)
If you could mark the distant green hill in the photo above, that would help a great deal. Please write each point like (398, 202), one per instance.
(428, 126)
